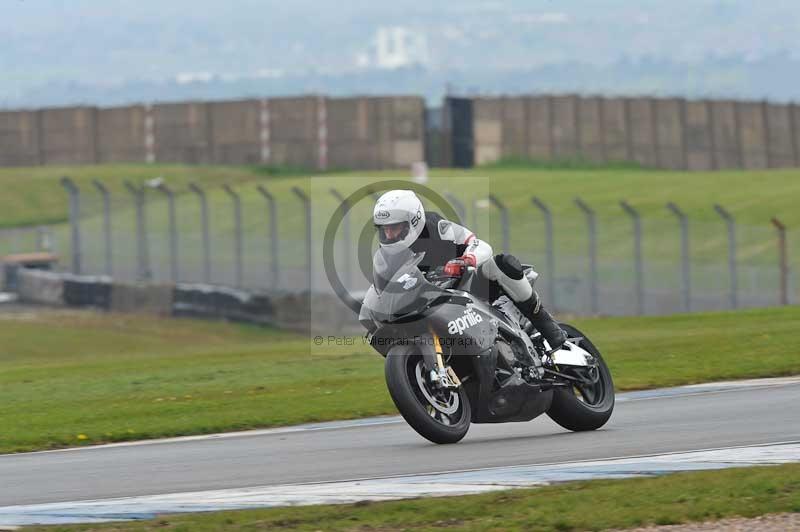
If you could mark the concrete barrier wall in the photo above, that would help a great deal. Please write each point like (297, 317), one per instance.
(538, 128)
(514, 130)
(698, 136)
(643, 131)
(182, 133)
(565, 127)
(316, 132)
(121, 134)
(19, 138)
(235, 132)
(615, 127)
(726, 149)
(353, 140)
(779, 136)
(670, 119)
(590, 139)
(294, 131)
(794, 111)
(68, 135)
(752, 132)
(37, 286)
(375, 132)
(487, 116)
(654, 132)
(407, 131)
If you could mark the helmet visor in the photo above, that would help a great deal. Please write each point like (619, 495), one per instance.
(391, 233)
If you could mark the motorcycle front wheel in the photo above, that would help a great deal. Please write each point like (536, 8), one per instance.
(441, 415)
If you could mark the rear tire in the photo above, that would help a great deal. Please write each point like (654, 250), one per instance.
(402, 379)
(578, 414)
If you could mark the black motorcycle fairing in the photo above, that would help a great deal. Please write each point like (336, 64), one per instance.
(512, 400)
(406, 308)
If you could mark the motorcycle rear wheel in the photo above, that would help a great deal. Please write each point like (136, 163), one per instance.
(588, 407)
(441, 416)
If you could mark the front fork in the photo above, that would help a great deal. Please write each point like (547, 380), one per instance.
(440, 374)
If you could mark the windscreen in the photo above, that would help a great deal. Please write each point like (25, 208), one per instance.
(400, 286)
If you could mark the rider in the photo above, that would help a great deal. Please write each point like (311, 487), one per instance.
(402, 222)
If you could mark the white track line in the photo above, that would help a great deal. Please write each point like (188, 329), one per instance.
(449, 483)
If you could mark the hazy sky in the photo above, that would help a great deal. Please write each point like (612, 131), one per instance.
(108, 41)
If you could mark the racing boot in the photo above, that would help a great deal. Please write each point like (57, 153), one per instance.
(543, 321)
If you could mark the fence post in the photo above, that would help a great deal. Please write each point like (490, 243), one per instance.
(309, 259)
(549, 250)
(201, 195)
(637, 254)
(273, 235)
(731, 223)
(74, 222)
(783, 259)
(347, 243)
(592, 224)
(173, 231)
(459, 207)
(686, 278)
(503, 220)
(474, 226)
(107, 240)
(238, 248)
(142, 251)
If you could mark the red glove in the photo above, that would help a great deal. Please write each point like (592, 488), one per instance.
(456, 267)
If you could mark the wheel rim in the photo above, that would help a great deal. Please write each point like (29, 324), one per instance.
(592, 395)
(443, 405)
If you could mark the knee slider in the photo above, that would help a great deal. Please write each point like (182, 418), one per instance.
(507, 271)
(509, 265)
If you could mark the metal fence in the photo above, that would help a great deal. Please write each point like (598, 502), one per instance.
(614, 260)
(27, 239)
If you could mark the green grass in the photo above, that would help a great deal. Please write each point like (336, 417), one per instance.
(568, 163)
(595, 505)
(34, 195)
(76, 378)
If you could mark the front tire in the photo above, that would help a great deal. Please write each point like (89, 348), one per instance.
(441, 416)
(587, 408)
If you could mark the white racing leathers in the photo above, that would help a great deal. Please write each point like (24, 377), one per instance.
(442, 240)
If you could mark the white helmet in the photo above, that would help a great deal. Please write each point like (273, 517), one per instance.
(399, 217)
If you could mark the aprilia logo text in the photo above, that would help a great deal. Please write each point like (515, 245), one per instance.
(459, 325)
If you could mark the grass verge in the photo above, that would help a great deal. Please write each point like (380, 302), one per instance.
(594, 505)
(75, 378)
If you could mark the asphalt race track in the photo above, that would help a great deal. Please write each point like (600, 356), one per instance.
(644, 423)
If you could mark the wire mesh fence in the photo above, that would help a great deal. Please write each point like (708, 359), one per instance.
(614, 260)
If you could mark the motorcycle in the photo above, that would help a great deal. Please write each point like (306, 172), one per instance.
(453, 358)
